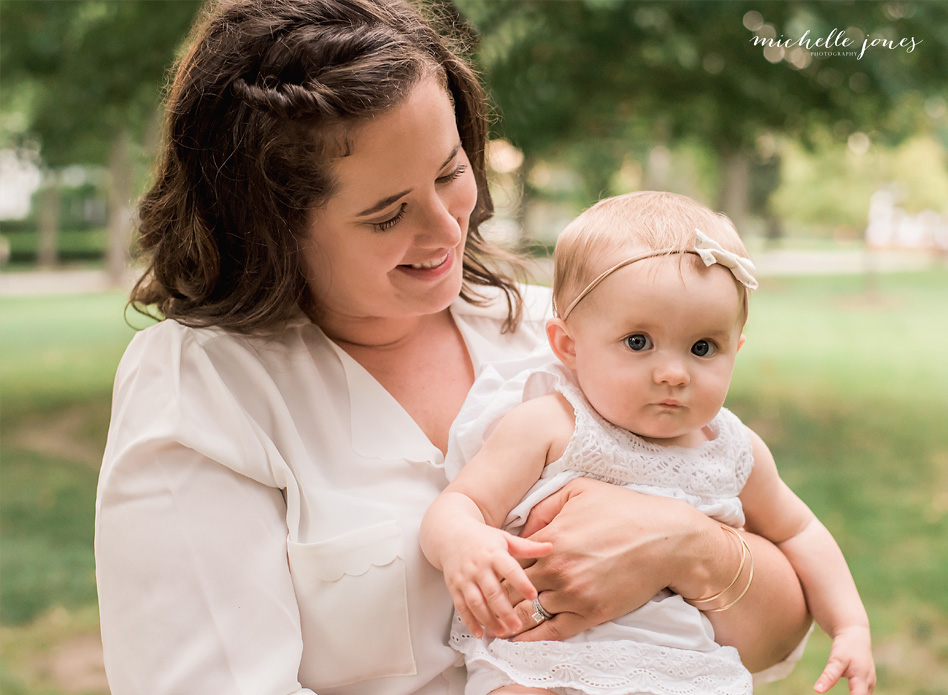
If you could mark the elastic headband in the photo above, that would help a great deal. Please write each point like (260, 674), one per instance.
(710, 251)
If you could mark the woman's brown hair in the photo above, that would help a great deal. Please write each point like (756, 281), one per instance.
(257, 107)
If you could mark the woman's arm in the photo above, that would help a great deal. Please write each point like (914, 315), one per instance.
(194, 589)
(771, 619)
(614, 549)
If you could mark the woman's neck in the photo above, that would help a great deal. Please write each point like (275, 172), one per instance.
(378, 333)
(422, 362)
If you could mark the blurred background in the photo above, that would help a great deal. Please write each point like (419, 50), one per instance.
(831, 158)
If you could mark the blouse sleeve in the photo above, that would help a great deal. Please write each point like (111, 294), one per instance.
(194, 589)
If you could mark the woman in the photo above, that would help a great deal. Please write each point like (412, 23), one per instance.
(314, 245)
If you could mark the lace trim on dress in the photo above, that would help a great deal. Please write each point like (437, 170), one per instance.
(717, 469)
(617, 667)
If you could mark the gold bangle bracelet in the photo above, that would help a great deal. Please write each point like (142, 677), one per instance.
(750, 580)
(740, 570)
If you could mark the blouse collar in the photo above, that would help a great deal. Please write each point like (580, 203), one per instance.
(381, 428)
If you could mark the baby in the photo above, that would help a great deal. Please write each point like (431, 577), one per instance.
(651, 297)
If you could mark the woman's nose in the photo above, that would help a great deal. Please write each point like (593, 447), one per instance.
(442, 228)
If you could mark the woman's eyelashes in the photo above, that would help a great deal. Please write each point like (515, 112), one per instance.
(391, 221)
(456, 174)
(396, 218)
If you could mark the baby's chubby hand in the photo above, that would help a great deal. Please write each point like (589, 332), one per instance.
(850, 657)
(478, 560)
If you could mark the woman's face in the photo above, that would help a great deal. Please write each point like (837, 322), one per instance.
(389, 243)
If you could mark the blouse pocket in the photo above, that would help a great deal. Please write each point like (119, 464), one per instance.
(353, 607)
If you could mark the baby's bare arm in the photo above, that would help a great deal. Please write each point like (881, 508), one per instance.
(460, 532)
(514, 455)
(775, 512)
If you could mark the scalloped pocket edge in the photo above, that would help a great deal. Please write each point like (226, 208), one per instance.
(351, 554)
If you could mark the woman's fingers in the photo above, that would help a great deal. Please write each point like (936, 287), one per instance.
(545, 511)
(559, 627)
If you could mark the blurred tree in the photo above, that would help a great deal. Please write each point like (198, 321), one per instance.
(91, 72)
(620, 77)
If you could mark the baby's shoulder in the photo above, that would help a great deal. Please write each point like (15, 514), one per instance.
(552, 405)
(549, 419)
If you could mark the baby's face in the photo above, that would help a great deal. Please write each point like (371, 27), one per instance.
(655, 346)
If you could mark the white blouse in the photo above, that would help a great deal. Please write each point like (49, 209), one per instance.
(258, 512)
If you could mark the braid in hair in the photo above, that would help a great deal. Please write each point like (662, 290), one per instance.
(258, 106)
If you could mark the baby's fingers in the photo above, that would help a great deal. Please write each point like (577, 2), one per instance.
(466, 616)
(830, 676)
(522, 547)
(860, 686)
(500, 607)
(477, 602)
(512, 572)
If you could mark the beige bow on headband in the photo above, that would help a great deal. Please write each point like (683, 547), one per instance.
(707, 249)
(712, 252)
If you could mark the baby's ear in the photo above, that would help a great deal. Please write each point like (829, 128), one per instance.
(564, 347)
(741, 341)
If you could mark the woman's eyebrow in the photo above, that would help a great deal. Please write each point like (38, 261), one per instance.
(385, 202)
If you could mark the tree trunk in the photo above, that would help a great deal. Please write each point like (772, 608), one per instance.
(47, 223)
(523, 198)
(120, 212)
(735, 186)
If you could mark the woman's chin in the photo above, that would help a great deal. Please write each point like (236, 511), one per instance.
(427, 296)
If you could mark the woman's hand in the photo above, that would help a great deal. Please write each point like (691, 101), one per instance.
(614, 549)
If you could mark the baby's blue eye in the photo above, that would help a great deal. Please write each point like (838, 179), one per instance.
(703, 348)
(638, 342)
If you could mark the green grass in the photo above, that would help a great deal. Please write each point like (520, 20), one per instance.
(58, 356)
(850, 390)
(848, 387)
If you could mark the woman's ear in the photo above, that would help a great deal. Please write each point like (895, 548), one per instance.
(564, 347)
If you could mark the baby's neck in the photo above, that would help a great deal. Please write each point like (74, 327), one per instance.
(688, 440)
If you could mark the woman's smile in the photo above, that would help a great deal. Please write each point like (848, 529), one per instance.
(441, 263)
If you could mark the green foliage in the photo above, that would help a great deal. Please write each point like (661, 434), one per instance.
(92, 68)
(72, 245)
(833, 186)
(621, 76)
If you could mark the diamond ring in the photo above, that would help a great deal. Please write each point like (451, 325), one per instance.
(539, 612)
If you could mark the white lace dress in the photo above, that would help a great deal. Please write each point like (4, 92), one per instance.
(667, 646)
